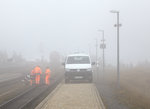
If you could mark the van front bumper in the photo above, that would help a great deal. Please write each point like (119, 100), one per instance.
(78, 75)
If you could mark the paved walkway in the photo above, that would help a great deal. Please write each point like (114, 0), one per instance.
(73, 96)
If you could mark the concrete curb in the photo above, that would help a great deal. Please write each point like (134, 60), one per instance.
(99, 98)
(40, 106)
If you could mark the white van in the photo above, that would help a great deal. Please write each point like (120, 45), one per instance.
(78, 66)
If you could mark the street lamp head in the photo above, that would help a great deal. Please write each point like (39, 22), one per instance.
(114, 11)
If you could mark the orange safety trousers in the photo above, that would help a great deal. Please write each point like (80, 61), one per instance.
(47, 76)
(47, 79)
(37, 73)
(37, 79)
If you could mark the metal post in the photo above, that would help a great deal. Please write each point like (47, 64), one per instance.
(103, 53)
(103, 46)
(118, 48)
(118, 64)
(96, 51)
(96, 59)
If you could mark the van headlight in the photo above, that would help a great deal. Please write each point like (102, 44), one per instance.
(89, 70)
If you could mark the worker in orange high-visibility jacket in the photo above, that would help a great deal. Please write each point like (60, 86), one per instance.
(37, 73)
(31, 77)
(47, 76)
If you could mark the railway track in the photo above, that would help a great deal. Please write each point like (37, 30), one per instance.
(31, 97)
(7, 84)
(11, 88)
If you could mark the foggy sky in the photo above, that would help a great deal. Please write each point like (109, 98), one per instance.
(30, 27)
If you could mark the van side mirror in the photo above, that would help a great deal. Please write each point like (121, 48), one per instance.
(93, 63)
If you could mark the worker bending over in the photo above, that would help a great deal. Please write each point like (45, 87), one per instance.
(31, 77)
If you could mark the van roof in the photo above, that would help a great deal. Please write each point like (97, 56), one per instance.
(78, 54)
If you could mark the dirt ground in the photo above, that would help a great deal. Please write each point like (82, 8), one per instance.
(134, 88)
(135, 85)
(108, 91)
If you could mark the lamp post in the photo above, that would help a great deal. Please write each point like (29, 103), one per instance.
(118, 64)
(96, 59)
(103, 46)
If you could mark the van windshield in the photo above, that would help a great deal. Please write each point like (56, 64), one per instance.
(78, 60)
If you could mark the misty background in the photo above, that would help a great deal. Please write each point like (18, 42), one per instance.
(34, 28)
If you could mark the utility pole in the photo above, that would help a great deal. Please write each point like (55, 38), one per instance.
(118, 48)
(103, 46)
(41, 50)
(96, 52)
(89, 49)
(96, 58)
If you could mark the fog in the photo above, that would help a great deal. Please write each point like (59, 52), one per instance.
(38, 27)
